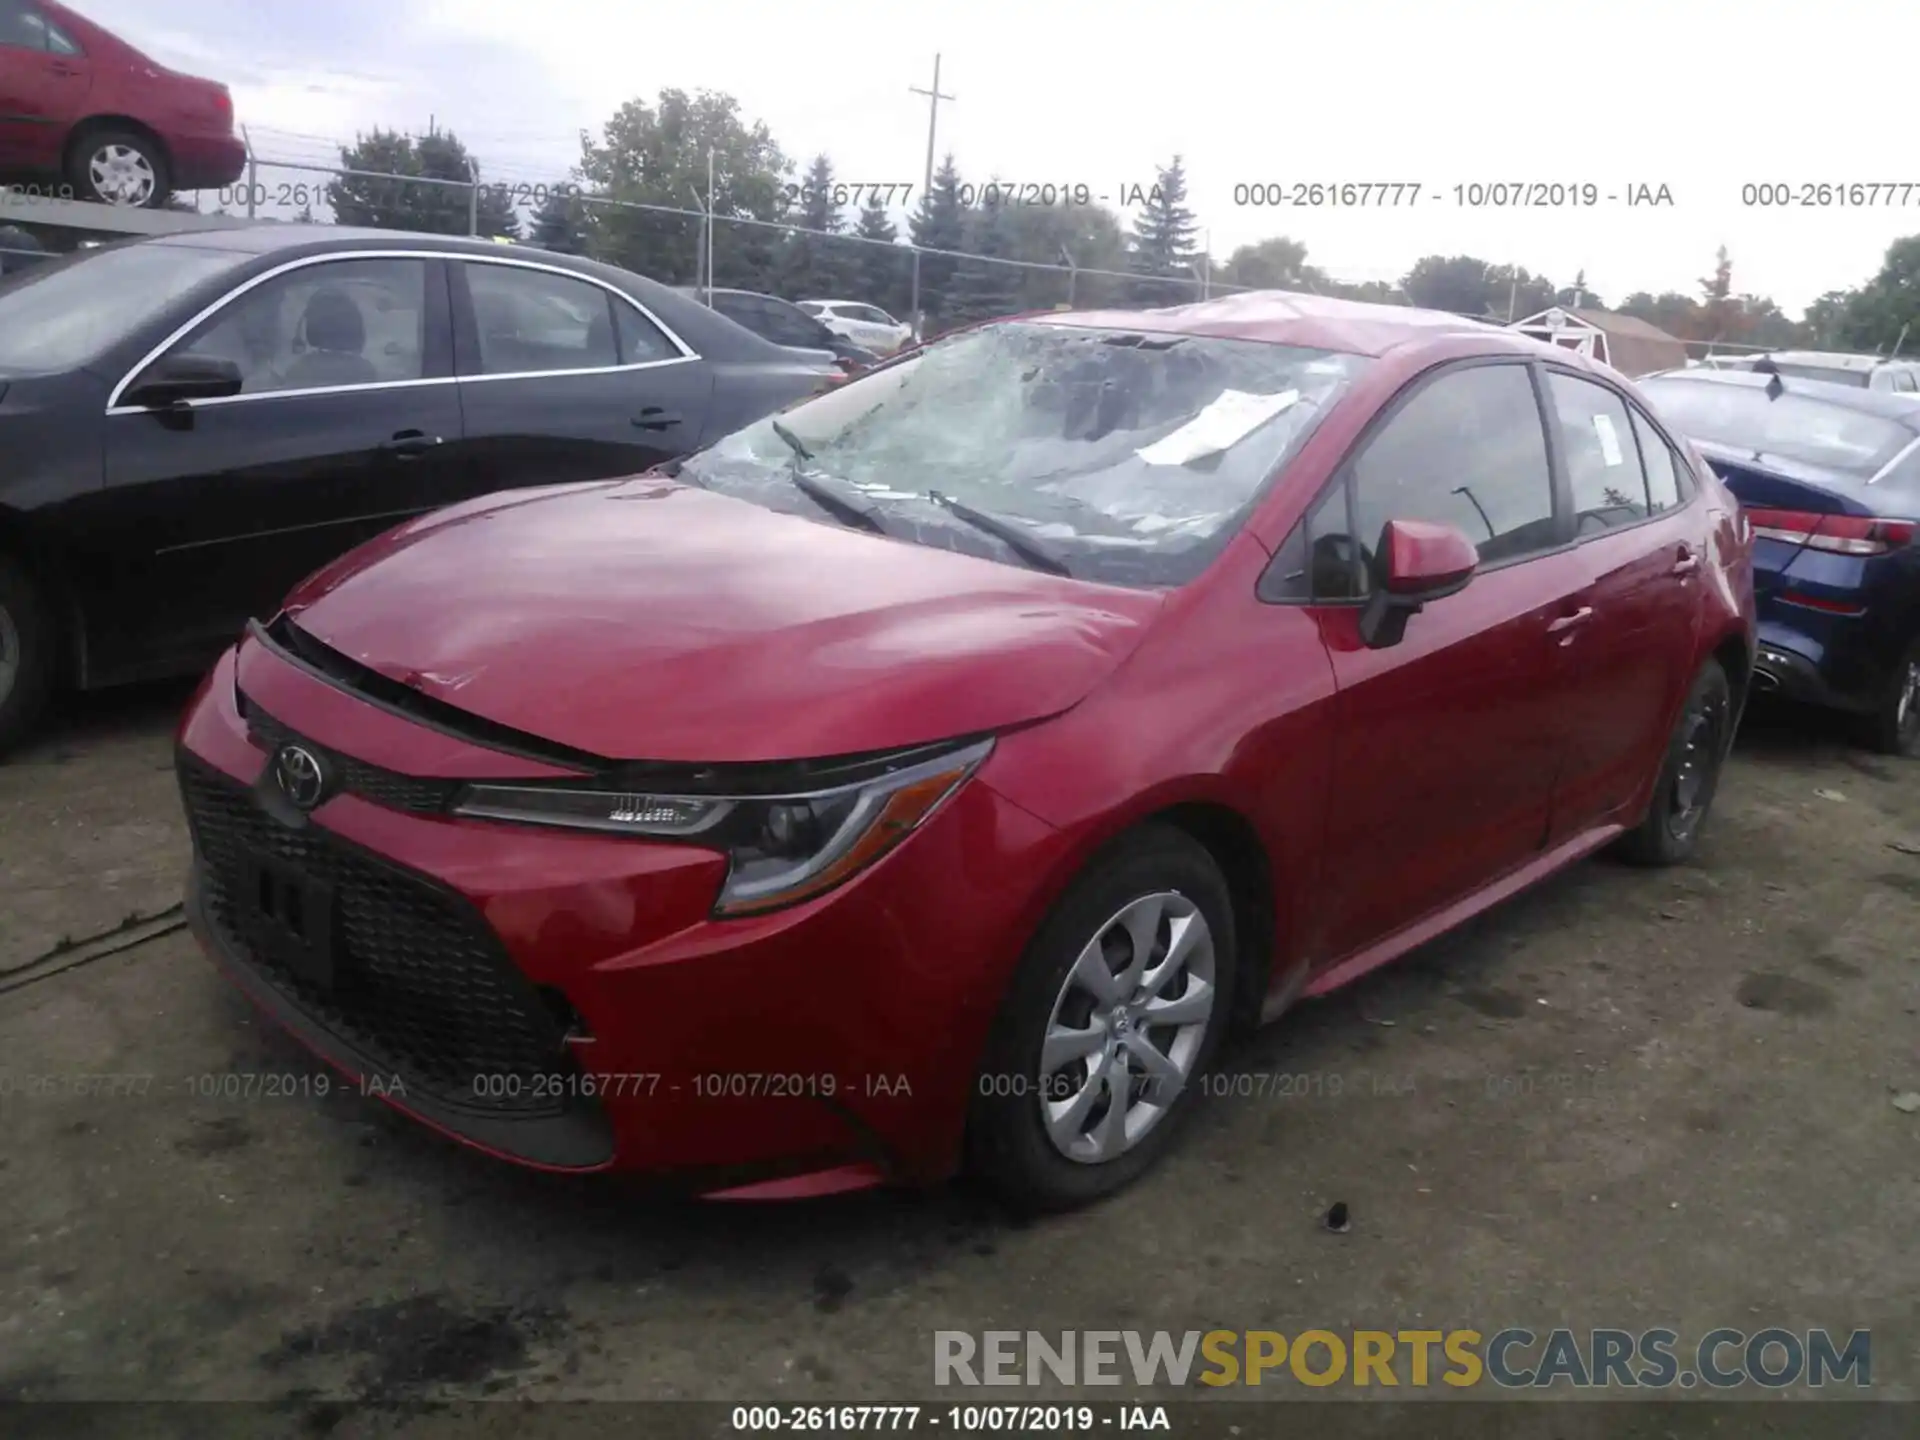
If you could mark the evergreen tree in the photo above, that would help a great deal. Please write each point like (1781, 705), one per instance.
(940, 223)
(560, 224)
(982, 288)
(811, 266)
(879, 274)
(1163, 236)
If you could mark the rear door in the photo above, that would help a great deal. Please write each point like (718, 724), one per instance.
(44, 82)
(1446, 743)
(564, 379)
(347, 425)
(1625, 652)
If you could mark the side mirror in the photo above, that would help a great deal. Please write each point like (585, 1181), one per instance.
(1415, 561)
(179, 378)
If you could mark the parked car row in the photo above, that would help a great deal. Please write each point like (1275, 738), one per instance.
(193, 423)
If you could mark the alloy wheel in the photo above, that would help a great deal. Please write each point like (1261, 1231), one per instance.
(1127, 1027)
(121, 175)
(1702, 743)
(9, 653)
(1906, 708)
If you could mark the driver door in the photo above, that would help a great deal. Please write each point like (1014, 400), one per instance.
(1447, 743)
(347, 424)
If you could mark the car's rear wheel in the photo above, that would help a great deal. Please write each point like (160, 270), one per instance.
(1689, 774)
(26, 655)
(1114, 1014)
(1894, 728)
(119, 167)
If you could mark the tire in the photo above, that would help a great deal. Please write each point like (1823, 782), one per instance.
(1894, 729)
(1009, 1143)
(26, 655)
(120, 167)
(1689, 774)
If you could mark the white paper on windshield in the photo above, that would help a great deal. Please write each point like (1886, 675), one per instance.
(1223, 424)
(1609, 441)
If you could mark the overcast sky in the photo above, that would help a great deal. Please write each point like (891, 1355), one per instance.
(1697, 95)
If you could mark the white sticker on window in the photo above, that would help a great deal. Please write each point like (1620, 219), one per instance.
(1609, 441)
(1224, 423)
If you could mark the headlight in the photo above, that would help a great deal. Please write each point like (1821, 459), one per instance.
(781, 849)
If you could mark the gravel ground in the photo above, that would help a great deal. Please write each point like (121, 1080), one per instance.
(1626, 1099)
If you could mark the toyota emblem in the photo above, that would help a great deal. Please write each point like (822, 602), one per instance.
(298, 773)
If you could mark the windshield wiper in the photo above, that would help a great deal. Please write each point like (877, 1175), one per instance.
(791, 440)
(1035, 552)
(840, 506)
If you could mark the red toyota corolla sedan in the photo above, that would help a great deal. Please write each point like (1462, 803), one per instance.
(933, 775)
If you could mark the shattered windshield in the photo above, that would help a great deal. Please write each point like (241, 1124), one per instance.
(1118, 456)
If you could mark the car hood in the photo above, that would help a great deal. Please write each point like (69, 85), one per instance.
(647, 620)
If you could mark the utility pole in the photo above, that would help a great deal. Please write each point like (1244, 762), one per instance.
(934, 97)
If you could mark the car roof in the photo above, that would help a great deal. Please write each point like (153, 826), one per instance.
(1884, 403)
(1833, 359)
(697, 290)
(1314, 322)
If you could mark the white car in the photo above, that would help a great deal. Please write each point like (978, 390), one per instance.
(865, 325)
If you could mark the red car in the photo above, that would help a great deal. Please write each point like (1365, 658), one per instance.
(935, 773)
(94, 119)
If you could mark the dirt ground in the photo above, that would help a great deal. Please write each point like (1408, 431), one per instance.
(1627, 1099)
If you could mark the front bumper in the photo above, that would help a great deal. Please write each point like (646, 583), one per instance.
(842, 1032)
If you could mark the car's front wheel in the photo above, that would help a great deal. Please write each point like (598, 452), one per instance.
(26, 655)
(1894, 729)
(1116, 1010)
(1689, 774)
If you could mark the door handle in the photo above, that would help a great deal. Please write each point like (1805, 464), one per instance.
(409, 443)
(1567, 622)
(1687, 563)
(654, 418)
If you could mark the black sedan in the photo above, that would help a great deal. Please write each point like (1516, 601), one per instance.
(192, 424)
(784, 323)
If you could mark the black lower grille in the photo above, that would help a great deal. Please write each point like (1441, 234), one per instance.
(419, 981)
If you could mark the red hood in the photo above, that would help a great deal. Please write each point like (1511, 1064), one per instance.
(648, 620)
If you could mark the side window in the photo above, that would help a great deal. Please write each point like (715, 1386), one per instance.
(868, 314)
(1603, 462)
(1903, 381)
(793, 326)
(344, 322)
(536, 322)
(1318, 560)
(640, 339)
(20, 27)
(58, 41)
(1468, 450)
(742, 310)
(1663, 469)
